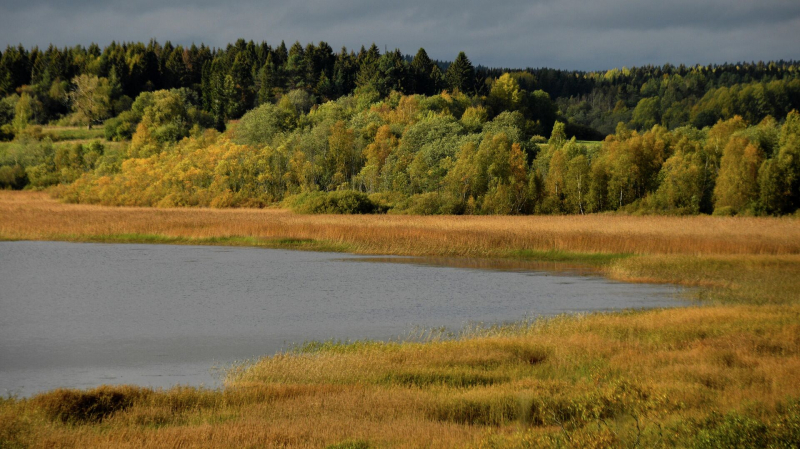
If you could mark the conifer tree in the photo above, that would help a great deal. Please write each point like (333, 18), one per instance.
(421, 68)
(461, 75)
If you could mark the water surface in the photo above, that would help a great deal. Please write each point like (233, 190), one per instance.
(79, 314)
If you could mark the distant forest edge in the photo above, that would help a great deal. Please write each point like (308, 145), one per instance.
(251, 125)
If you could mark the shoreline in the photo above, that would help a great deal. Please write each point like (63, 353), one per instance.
(666, 377)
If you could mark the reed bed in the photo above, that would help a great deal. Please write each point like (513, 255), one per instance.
(722, 373)
(30, 215)
(662, 378)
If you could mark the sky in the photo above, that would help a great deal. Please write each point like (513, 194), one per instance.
(563, 34)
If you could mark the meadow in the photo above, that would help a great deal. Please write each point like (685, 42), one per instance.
(721, 373)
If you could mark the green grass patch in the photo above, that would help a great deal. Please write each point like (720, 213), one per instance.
(452, 379)
(342, 346)
(62, 134)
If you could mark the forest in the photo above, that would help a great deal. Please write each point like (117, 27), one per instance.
(253, 125)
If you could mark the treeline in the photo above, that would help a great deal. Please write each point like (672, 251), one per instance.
(438, 154)
(39, 86)
(698, 97)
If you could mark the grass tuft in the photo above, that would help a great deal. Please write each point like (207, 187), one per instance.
(92, 406)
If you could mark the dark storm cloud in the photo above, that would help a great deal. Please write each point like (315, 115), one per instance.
(572, 34)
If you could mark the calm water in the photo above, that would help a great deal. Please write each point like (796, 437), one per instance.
(79, 315)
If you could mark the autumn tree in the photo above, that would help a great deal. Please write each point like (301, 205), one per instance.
(737, 182)
(341, 160)
(779, 176)
(680, 189)
(506, 94)
(90, 99)
(375, 155)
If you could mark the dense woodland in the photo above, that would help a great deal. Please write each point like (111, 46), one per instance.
(252, 125)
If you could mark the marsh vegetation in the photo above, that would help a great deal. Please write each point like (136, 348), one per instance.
(716, 374)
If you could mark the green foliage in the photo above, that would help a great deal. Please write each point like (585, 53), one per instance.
(20, 157)
(474, 117)
(91, 99)
(737, 182)
(779, 176)
(24, 112)
(7, 109)
(506, 94)
(681, 187)
(450, 153)
(738, 431)
(262, 124)
(430, 203)
(647, 113)
(230, 80)
(339, 202)
(424, 379)
(460, 74)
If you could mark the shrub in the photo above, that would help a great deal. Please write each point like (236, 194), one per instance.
(339, 202)
(725, 211)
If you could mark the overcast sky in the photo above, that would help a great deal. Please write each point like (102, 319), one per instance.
(566, 34)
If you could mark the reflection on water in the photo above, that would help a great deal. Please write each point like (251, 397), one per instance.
(80, 315)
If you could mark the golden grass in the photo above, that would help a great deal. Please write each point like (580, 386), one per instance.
(33, 215)
(706, 376)
(651, 376)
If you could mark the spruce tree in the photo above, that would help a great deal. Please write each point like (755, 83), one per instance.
(461, 74)
(421, 67)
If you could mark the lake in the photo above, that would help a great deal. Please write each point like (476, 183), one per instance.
(79, 315)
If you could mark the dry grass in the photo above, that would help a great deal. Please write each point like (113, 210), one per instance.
(30, 215)
(654, 377)
(704, 376)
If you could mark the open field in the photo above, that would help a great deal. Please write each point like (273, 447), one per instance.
(59, 133)
(713, 375)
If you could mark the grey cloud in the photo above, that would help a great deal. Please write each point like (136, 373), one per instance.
(572, 34)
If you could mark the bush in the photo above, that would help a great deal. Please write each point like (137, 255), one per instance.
(736, 431)
(6, 133)
(339, 202)
(726, 211)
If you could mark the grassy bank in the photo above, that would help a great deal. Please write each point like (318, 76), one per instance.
(719, 373)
